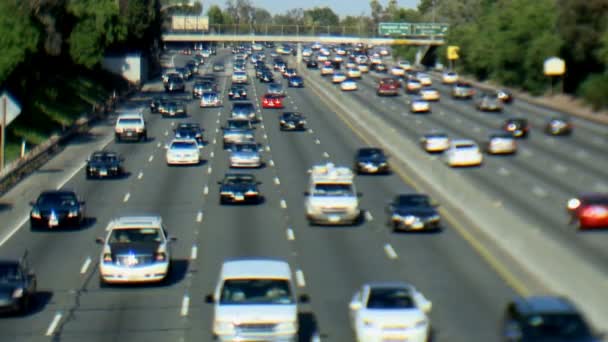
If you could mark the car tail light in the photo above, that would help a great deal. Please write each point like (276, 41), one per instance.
(160, 256)
(107, 257)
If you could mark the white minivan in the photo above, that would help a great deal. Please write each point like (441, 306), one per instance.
(255, 300)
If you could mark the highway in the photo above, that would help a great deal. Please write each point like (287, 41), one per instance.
(331, 262)
(537, 182)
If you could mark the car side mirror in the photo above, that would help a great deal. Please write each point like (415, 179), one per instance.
(172, 238)
(355, 305)
(99, 240)
(82, 202)
(32, 203)
(31, 275)
(219, 182)
(209, 299)
(122, 159)
(306, 193)
(304, 299)
(258, 183)
(359, 194)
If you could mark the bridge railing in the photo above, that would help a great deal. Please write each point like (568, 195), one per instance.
(363, 31)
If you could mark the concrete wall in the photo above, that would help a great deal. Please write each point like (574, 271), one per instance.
(132, 67)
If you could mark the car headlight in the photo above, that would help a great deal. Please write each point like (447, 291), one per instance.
(287, 326)
(73, 213)
(221, 327)
(36, 213)
(251, 192)
(409, 219)
(421, 323)
(574, 203)
(18, 293)
(433, 218)
(107, 257)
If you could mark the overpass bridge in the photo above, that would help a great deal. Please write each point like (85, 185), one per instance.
(298, 34)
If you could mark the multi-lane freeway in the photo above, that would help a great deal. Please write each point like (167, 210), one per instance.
(330, 263)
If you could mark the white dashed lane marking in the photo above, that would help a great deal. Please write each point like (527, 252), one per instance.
(325, 155)
(503, 171)
(199, 217)
(56, 319)
(290, 234)
(159, 144)
(194, 253)
(283, 204)
(150, 158)
(185, 306)
(538, 191)
(317, 141)
(300, 278)
(390, 252)
(277, 181)
(271, 162)
(85, 265)
(211, 154)
(140, 175)
(209, 170)
(206, 190)
(166, 133)
(368, 216)
(126, 198)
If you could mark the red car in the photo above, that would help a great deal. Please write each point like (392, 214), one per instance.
(388, 86)
(589, 210)
(272, 101)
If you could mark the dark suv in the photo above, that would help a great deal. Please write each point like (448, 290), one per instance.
(545, 318)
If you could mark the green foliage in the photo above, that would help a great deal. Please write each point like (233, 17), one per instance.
(18, 36)
(594, 90)
(321, 16)
(216, 17)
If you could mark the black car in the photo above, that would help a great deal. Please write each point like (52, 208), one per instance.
(17, 285)
(175, 84)
(218, 67)
(237, 92)
(189, 130)
(243, 111)
(56, 208)
(104, 164)
(157, 103)
(239, 188)
(312, 64)
(545, 318)
(174, 109)
(371, 160)
(295, 82)
(262, 70)
(519, 127)
(504, 95)
(558, 126)
(413, 212)
(266, 77)
(200, 87)
(292, 121)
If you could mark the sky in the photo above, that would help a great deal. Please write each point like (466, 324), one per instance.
(340, 7)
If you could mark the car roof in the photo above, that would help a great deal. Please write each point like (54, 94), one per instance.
(544, 304)
(389, 285)
(463, 142)
(150, 221)
(58, 192)
(255, 267)
(133, 115)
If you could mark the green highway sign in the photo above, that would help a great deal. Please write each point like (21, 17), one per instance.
(394, 29)
(429, 29)
(412, 29)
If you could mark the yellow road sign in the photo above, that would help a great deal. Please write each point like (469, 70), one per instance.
(453, 52)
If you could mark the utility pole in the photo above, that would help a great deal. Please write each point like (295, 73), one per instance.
(2, 139)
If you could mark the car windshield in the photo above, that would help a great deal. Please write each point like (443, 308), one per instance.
(388, 298)
(9, 272)
(185, 131)
(103, 157)
(243, 108)
(333, 189)
(127, 121)
(371, 152)
(245, 148)
(256, 291)
(183, 145)
(596, 201)
(210, 96)
(132, 235)
(57, 199)
(412, 201)
(563, 326)
(238, 179)
(465, 146)
(436, 136)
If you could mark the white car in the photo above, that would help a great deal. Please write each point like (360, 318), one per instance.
(350, 65)
(306, 52)
(338, 59)
(353, 73)
(348, 85)
(449, 77)
(210, 99)
(136, 249)
(363, 67)
(429, 94)
(376, 60)
(255, 300)
(463, 152)
(435, 142)
(322, 58)
(327, 70)
(420, 105)
(384, 52)
(501, 143)
(390, 311)
(183, 152)
(245, 154)
(338, 77)
(397, 71)
(405, 65)
(239, 77)
(425, 79)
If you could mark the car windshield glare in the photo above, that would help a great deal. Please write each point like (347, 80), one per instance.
(563, 326)
(57, 200)
(256, 291)
(104, 158)
(183, 145)
(332, 189)
(387, 299)
(133, 235)
(238, 179)
(412, 201)
(465, 146)
(9, 272)
(245, 148)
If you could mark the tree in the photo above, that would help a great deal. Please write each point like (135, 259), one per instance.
(321, 16)
(261, 16)
(216, 17)
(18, 36)
(377, 12)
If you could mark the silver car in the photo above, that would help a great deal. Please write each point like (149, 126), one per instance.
(210, 99)
(245, 155)
(237, 131)
(276, 89)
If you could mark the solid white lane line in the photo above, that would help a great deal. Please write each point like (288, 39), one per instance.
(150, 158)
(390, 252)
(271, 162)
(300, 278)
(317, 141)
(283, 204)
(206, 190)
(325, 155)
(51, 330)
(277, 181)
(85, 266)
(290, 234)
(262, 125)
(185, 306)
(199, 217)
(140, 175)
(368, 216)
(209, 170)
(217, 121)
(126, 198)
(194, 253)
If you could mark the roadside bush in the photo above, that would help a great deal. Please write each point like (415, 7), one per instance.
(594, 90)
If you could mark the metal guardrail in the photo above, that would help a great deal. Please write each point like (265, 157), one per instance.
(39, 155)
